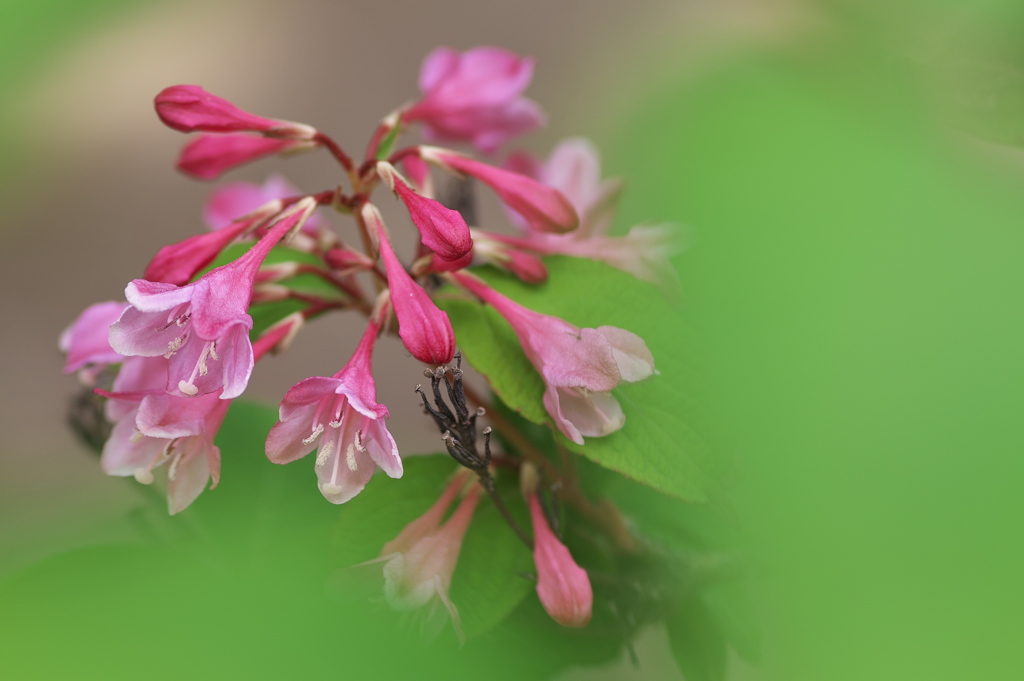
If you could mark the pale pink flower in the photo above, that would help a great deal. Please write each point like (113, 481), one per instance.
(544, 208)
(86, 341)
(152, 428)
(562, 586)
(422, 558)
(209, 156)
(424, 329)
(201, 328)
(442, 230)
(190, 108)
(475, 96)
(342, 415)
(574, 169)
(526, 266)
(579, 366)
(231, 201)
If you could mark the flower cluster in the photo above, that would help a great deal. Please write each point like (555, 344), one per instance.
(186, 344)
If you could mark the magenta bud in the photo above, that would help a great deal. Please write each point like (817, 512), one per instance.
(423, 328)
(178, 263)
(207, 157)
(545, 209)
(190, 108)
(443, 230)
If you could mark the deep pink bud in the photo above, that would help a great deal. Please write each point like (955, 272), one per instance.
(423, 328)
(443, 230)
(475, 96)
(562, 586)
(544, 208)
(190, 108)
(526, 266)
(178, 263)
(207, 157)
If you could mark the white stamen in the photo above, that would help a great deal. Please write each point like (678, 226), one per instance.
(359, 442)
(213, 351)
(136, 437)
(350, 458)
(173, 468)
(143, 475)
(335, 424)
(187, 388)
(325, 452)
(314, 435)
(331, 488)
(174, 346)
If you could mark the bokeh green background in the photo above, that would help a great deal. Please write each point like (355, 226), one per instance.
(852, 309)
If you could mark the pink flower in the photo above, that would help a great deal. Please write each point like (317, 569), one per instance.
(422, 558)
(152, 428)
(342, 414)
(562, 586)
(230, 202)
(574, 169)
(424, 329)
(526, 266)
(579, 366)
(545, 209)
(443, 230)
(209, 156)
(203, 327)
(190, 108)
(475, 97)
(86, 341)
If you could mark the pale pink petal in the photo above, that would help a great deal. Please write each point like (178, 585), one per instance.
(188, 474)
(437, 65)
(87, 340)
(634, 360)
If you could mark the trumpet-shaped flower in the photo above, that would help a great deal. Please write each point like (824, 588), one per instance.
(201, 328)
(420, 561)
(475, 96)
(579, 366)
(339, 414)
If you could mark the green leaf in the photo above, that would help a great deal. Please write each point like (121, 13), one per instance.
(696, 642)
(388, 142)
(487, 584)
(662, 443)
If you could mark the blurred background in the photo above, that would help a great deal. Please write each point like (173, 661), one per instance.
(852, 172)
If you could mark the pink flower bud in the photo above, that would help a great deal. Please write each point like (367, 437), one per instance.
(207, 157)
(562, 586)
(178, 263)
(443, 230)
(423, 328)
(545, 209)
(475, 96)
(190, 108)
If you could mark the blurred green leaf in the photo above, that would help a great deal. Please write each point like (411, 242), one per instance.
(697, 644)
